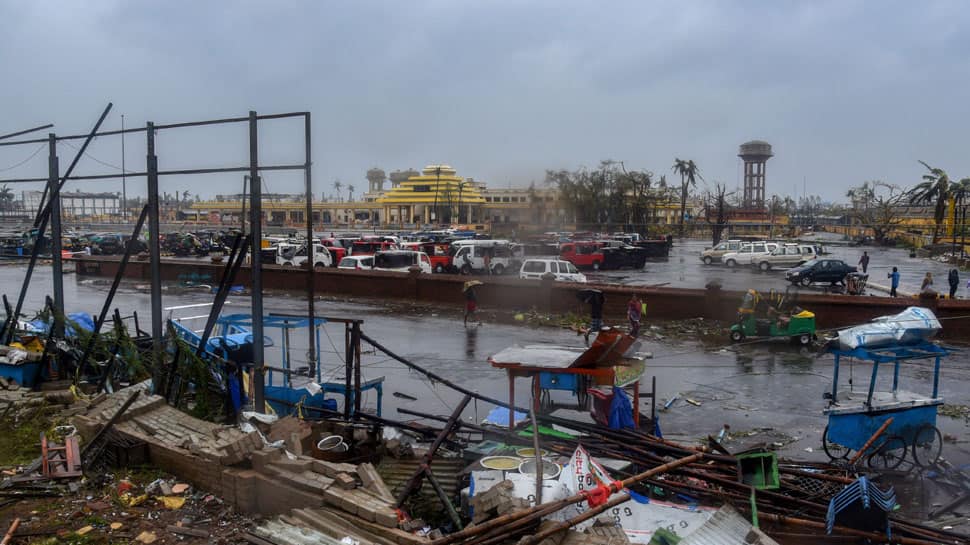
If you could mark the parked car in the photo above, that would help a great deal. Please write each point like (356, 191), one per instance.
(713, 255)
(469, 256)
(440, 260)
(357, 262)
(582, 254)
(786, 256)
(337, 251)
(294, 255)
(401, 261)
(749, 253)
(562, 270)
(820, 270)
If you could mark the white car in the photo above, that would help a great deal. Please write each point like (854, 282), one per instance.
(357, 262)
(713, 255)
(562, 270)
(294, 255)
(786, 257)
(401, 261)
(749, 253)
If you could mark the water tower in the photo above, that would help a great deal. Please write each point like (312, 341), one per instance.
(375, 180)
(755, 154)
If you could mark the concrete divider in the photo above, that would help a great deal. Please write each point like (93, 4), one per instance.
(511, 293)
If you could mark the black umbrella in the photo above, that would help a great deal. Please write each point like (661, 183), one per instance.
(589, 295)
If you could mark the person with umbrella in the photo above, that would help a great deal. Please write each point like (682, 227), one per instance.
(595, 299)
(471, 300)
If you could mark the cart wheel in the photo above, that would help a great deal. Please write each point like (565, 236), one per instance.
(834, 451)
(889, 454)
(737, 335)
(803, 340)
(927, 445)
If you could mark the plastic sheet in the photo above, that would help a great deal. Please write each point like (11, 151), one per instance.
(910, 326)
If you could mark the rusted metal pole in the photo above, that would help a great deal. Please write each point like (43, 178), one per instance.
(256, 265)
(415, 479)
(538, 454)
(874, 536)
(871, 440)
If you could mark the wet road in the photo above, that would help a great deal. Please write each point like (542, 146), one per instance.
(684, 269)
(771, 391)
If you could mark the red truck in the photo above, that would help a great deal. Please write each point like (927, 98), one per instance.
(337, 252)
(582, 254)
(440, 260)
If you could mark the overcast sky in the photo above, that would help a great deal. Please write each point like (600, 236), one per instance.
(844, 91)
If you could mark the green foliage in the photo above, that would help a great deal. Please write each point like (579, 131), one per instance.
(608, 196)
(196, 374)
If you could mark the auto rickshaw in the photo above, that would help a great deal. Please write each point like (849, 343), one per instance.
(774, 316)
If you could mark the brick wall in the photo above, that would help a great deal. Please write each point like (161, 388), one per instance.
(509, 293)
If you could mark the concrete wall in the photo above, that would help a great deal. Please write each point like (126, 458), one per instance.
(509, 293)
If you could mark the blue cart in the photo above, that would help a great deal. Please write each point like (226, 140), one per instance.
(854, 417)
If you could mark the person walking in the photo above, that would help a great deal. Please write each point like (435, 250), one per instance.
(864, 262)
(894, 281)
(596, 299)
(471, 299)
(634, 311)
(954, 279)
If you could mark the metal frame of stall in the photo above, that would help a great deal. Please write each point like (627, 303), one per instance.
(49, 213)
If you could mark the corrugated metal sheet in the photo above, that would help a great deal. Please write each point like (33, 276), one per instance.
(727, 527)
(447, 470)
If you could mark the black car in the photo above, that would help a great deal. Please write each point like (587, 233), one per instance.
(820, 270)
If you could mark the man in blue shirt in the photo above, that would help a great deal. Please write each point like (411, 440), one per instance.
(895, 281)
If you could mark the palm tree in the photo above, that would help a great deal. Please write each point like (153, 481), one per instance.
(6, 197)
(350, 191)
(936, 186)
(688, 177)
(337, 186)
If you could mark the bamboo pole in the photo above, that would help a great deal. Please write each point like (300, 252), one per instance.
(575, 498)
(13, 528)
(871, 440)
(567, 524)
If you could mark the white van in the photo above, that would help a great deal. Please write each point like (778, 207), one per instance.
(401, 261)
(294, 255)
(749, 253)
(469, 256)
(562, 270)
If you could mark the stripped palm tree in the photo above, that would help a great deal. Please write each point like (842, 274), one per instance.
(350, 192)
(336, 187)
(935, 188)
(688, 177)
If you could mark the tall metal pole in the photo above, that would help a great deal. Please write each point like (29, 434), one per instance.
(53, 182)
(124, 181)
(154, 250)
(256, 228)
(311, 275)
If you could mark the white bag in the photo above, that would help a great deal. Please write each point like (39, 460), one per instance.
(909, 326)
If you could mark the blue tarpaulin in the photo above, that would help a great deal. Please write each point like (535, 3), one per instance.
(621, 411)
